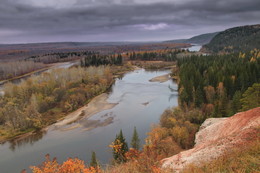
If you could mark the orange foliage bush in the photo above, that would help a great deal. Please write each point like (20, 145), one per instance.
(132, 154)
(69, 166)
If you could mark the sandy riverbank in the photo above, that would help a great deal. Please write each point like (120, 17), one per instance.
(96, 105)
(160, 79)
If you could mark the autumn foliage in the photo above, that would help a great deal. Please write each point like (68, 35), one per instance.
(41, 100)
(69, 166)
(13, 69)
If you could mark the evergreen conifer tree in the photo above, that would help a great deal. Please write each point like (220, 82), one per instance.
(93, 162)
(135, 143)
(120, 147)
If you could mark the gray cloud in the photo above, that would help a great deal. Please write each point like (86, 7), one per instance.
(119, 20)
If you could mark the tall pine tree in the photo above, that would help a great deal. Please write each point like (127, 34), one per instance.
(135, 140)
(93, 162)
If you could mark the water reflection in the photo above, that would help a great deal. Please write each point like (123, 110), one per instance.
(120, 76)
(30, 139)
(172, 96)
(195, 48)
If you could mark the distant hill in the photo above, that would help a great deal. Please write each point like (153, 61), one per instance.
(243, 38)
(199, 39)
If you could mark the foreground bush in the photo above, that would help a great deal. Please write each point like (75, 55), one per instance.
(69, 166)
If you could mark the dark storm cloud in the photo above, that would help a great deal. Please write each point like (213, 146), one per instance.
(108, 20)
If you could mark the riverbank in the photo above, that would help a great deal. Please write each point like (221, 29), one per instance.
(97, 104)
(93, 106)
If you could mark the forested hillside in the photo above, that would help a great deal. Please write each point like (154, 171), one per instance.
(217, 82)
(243, 38)
(199, 39)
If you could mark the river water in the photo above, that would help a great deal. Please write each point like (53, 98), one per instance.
(140, 104)
(195, 48)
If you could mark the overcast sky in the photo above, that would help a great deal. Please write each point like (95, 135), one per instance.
(24, 21)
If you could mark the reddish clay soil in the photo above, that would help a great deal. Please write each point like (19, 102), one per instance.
(217, 136)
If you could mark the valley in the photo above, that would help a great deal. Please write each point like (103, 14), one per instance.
(81, 102)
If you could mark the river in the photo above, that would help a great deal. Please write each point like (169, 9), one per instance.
(140, 104)
(195, 48)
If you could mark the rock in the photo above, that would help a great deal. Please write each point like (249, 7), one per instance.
(216, 136)
(208, 122)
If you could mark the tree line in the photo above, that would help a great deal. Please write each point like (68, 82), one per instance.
(97, 59)
(60, 57)
(167, 55)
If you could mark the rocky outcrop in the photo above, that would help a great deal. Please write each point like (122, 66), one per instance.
(217, 136)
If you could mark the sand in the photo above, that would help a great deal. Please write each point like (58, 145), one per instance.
(160, 79)
(96, 105)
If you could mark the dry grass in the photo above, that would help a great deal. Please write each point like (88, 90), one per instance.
(239, 160)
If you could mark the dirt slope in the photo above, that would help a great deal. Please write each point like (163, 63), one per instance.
(216, 136)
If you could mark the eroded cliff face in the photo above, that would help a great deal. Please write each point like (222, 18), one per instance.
(216, 136)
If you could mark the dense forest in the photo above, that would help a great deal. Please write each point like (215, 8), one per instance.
(41, 100)
(217, 82)
(97, 59)
(243, 38)
(166, 55)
